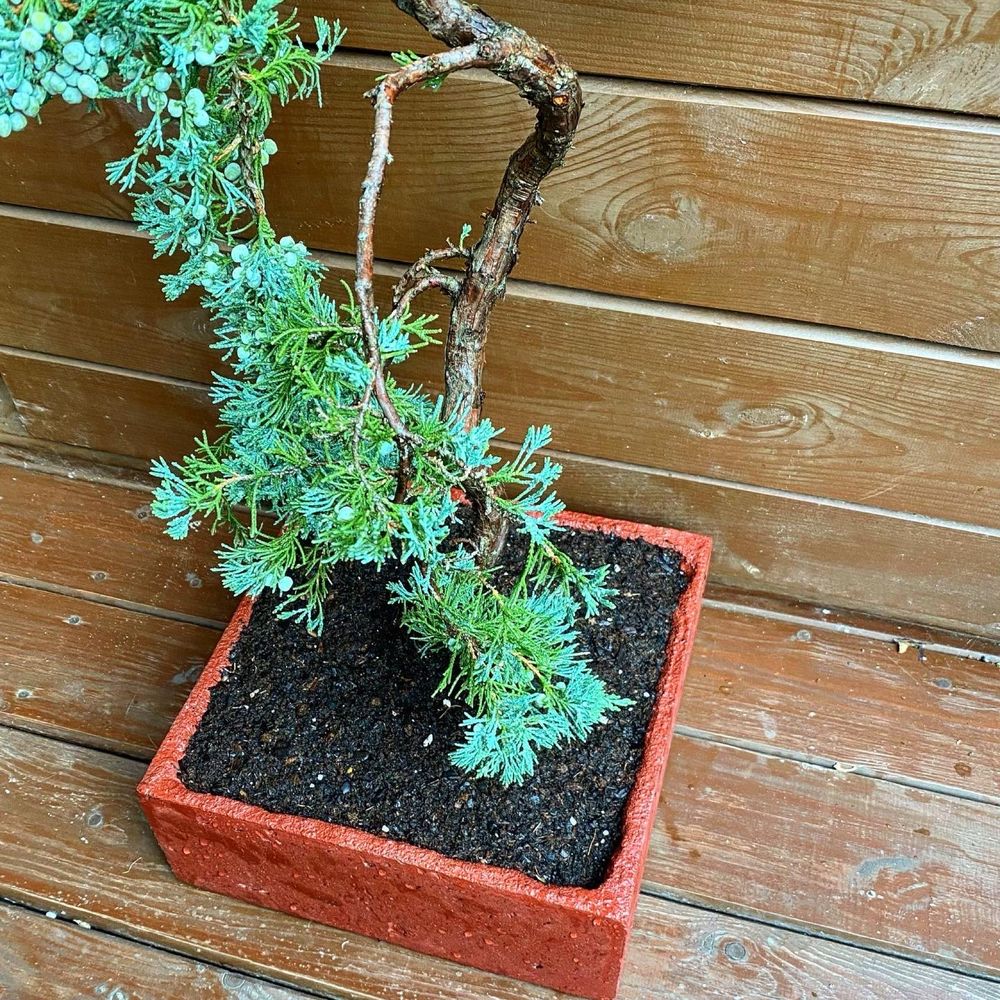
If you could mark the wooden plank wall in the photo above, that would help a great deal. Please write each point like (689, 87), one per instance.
(762, 299)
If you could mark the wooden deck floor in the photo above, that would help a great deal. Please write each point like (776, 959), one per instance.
(830, 825)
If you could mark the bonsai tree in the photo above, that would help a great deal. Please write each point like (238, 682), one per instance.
(325, 453)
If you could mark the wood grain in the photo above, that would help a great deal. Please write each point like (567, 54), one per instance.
(937, 53)
(111, 874)
(755, 680)
(866, 420)
(94, 673)
(49, 959)
(101, 539)
(874, 220)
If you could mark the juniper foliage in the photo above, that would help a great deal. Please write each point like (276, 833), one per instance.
(301, 438)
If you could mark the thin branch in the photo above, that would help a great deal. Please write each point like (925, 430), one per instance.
(450, 284)
(552, 88)
(426, 265)
(383, 97)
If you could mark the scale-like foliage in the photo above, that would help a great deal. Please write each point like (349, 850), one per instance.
(301, 439)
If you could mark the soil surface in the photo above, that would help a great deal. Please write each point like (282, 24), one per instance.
(346, 728)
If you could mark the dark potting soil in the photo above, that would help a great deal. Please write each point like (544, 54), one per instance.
(346, 727)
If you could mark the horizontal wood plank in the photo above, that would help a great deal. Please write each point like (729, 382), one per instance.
(937, 54)
(865, 860)
(824, 554)
(878, 221)
(112, 311)
(771, 683)
(865, 420)
(754, 680)
(863, 624)
(44, 958)
(129, 412)
(879, 888)
(101, 539)
(95, 673)
(906, 569)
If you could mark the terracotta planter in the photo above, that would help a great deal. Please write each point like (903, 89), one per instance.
(491, 918)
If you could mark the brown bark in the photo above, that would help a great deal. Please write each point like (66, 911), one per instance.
(551, 87)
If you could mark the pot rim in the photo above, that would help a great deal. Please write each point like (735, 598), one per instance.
(615, 897)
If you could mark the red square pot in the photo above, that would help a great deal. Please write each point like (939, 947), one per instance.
(492, 918)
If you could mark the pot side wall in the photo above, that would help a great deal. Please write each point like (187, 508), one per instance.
(490, 918)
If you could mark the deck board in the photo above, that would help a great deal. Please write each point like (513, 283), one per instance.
(111, 875)
(891, 867)
(98, 538)
(928, 716)
(95, 674)
(760, 847)
(43, 958)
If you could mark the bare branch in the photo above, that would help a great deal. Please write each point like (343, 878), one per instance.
(549, 85)
(450, 284)
(426, 265)
(383, 97)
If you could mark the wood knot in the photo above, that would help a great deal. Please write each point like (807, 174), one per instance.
(775, 419)
(674, 232)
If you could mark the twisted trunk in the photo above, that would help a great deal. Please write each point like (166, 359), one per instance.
(552, 88)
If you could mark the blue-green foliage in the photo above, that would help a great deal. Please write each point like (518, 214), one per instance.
(301, 439)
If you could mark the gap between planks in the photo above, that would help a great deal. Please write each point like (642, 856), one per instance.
(730, 97)
(704, 315)
(909, 517)
(752, 917)
(111, 602)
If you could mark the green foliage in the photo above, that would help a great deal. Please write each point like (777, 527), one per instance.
(301, 438)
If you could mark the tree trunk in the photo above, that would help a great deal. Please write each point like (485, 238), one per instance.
(551, 86)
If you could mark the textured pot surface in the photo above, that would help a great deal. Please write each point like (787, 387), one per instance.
(492, 918)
